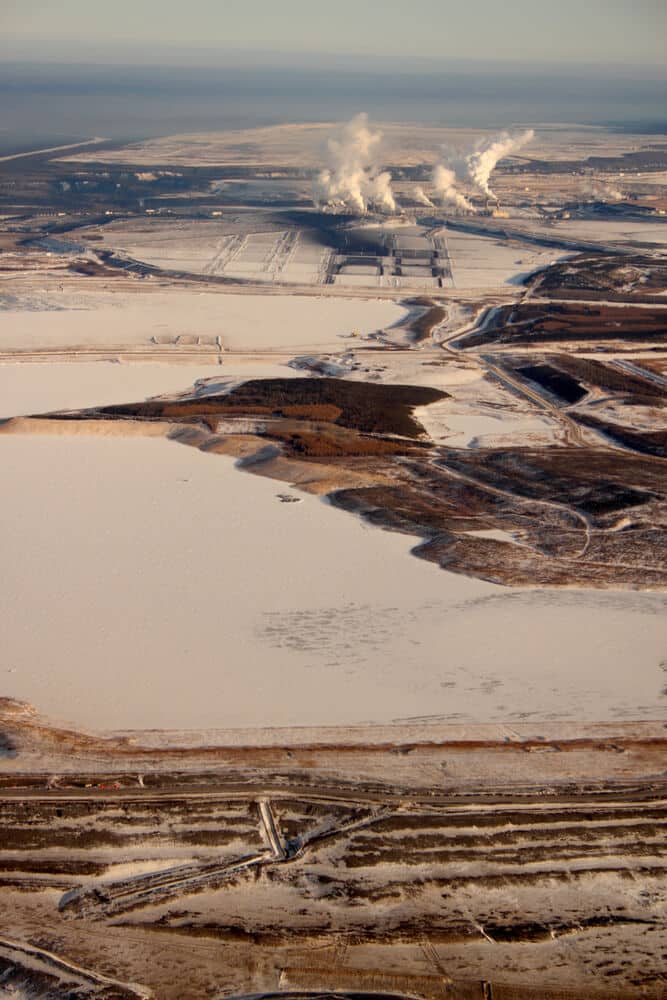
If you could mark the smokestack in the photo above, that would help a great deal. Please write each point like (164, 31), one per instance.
(352, 180)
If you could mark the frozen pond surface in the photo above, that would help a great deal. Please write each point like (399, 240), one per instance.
(42, 388)
(243, 322)
(486, 262)
(146, 584)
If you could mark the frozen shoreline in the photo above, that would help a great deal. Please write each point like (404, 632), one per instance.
(153, 586)
(37, 388)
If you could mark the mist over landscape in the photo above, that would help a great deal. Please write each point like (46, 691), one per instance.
(60, 102)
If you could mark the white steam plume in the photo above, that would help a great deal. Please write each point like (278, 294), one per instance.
(421, 197)
(599, 190)
(353, 181)
(482, 162)
(444, 184)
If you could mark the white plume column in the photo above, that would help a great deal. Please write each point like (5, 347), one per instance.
(444, 185)
(482, 162)
(352, 180)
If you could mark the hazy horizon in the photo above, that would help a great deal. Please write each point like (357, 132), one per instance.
(597, 32)
(50, 102)
(148, 69)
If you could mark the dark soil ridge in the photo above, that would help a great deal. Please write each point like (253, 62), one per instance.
(362, 406)
(557, 322)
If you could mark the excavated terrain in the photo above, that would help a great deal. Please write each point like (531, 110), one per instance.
(471, 862)
(457, 862)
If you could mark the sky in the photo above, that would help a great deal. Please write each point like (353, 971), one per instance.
(628, 33)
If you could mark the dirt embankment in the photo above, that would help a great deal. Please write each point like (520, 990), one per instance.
(560, 511)
(469, 862)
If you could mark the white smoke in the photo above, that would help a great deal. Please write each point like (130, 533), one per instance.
(599, 190)
(482, 162)
(353, 181)
(444, 185)
(421, 197)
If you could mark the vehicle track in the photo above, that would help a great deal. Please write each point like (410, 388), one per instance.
(572, 431)
(62, 968)
(229, 250)
(110, 899)
(438, 463)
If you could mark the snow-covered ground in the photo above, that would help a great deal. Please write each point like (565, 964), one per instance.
(614, 231)
(146, 584)
(480, 414)
(296, 257)
(483, 262)
(206, 246)
(50, 318)
(475, 430)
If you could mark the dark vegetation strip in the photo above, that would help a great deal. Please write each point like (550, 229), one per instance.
(637, 277)
(589, 479)
(441, 929)
(545, 831)
(643, 160)
(52, 866)
(403, 855)
(361, 406)
(653, 443)
(544, 322)
(597, 373)
(304, 440)
(31, 838)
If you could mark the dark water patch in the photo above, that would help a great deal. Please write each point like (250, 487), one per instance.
(559, 384)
